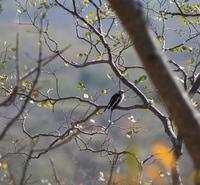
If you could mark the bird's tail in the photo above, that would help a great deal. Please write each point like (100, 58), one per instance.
(105, 109)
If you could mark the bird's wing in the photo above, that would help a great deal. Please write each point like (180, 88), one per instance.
(117, 101)
(112, 100)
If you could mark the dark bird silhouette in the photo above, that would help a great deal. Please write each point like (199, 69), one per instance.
(115, 100)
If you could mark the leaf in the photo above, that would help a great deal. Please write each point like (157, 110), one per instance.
(181, 48)
(4, 77)
(86, 2)
(79, 55)
(90, 21)
(5, 165)
(129, 134)
(98, 113)
(88, 34)
(160, 39)
(91, 14)
(141, 79)
(13, 49)
(27, 84)
(132, 132)
(190, 61)
(82, 86)
(46, 104)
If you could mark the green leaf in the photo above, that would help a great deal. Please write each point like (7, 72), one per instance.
(141, 79)
(13, 49)
(190, 61)
(86, 2)
(129, 134)
(99, 113)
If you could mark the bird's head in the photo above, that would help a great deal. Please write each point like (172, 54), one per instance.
(121, 92)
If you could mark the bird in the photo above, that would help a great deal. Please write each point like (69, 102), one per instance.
(115, 100)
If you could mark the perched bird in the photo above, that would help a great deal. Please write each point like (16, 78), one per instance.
(115, 100)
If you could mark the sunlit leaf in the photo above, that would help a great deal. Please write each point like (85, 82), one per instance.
(66, 64)
(27, 84)
(141, 79)
(194, 103)
(90, 21)
(3, 77)
(181, 48)
(161, 40)
(129, 134)
(98, 113)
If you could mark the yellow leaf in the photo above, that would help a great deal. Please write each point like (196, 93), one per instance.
(91, 14)
(90, 21)
(27, 84)
(79, 55)
(86, 2)
(164, 154)
(5, 165)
